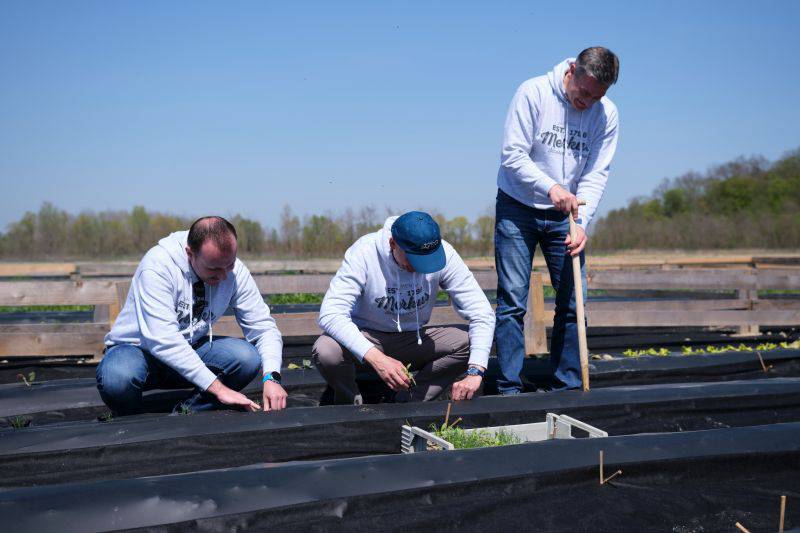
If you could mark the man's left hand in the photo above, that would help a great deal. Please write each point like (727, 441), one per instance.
(466, 388)
(580, 241)
(274, 396)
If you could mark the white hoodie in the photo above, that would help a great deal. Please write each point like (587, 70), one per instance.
(371, 291)
(158, 315)
(534, 155)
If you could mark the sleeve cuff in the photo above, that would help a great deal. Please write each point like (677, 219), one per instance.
(360, 348)
(205, 379)
(546, 183)
(479, 357)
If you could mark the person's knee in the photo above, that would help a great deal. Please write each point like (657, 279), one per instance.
(460, 341)
(121, 374)
(327, 352)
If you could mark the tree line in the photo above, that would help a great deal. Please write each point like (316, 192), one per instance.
(52, 233)
(747, 202)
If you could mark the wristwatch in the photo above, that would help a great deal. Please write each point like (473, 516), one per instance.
(273, 376)
(474, 371)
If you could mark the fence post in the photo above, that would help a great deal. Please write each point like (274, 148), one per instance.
(749, 296)
(534, 325)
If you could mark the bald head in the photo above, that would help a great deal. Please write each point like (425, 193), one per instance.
(215, 229)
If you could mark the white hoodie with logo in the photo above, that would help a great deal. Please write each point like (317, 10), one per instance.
(535, 155)
(158, 313)
(371, 291)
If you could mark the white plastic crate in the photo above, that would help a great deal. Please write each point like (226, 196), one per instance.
(414, 439)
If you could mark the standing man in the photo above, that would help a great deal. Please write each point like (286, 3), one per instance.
(163, 339)
(378, 303)
(560, 136)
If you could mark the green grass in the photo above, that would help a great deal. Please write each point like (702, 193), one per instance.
(462, 440)
(19, 422)
(299, 298)
(43, 308)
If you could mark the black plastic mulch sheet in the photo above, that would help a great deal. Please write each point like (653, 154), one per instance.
(682, 482)
(77, 399)
(140, 446)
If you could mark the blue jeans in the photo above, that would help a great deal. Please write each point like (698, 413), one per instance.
(126, 371)
(518, 229)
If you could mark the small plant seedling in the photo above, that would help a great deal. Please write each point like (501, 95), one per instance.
(462, 439)
(27, 380)
(306, 365)
(108, 417)
(183, 410)
(409, 375)
(19, 422)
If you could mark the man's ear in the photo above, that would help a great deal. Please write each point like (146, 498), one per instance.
(392, 244)
(189, 253)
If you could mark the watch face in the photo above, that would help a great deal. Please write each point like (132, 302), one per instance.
(276, 376)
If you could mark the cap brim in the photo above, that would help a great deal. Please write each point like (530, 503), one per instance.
(428, 263)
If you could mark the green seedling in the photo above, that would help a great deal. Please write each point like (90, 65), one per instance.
(184, 410)
(407, 370)
(19, 422)
(108, 417)
(462, 439)
(27, 380)
(306, 365)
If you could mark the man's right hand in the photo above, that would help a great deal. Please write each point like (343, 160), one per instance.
(231, 397)
(390, 370)
(564, 200)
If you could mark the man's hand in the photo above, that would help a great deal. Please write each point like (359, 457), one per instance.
(580, 241)
(390, 370)
(466, 388)
(231, 397)
(564, 200)
(274, 396)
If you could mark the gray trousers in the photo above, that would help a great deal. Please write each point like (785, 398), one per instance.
(438, 361)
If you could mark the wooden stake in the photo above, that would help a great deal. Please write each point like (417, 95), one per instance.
(454, 423)
(578, 287)
(447, 416)
(783, 514)
(742, 528)
(763, 366)
(601, 467)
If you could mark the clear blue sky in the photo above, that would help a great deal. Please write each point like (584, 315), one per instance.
(222, 107)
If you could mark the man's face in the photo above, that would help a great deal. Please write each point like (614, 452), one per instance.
(212, 264)
(582, 90)
(400, 256)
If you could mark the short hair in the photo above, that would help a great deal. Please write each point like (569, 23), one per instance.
(215, 228)
(600, 63)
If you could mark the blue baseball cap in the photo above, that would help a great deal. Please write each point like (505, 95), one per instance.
(417, 234)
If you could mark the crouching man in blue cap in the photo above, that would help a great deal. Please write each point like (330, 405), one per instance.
(377, 307)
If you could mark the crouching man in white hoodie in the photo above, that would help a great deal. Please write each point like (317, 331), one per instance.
(163, 339)
(377, 306)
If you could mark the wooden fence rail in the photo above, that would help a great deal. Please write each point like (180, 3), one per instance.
(746, 311)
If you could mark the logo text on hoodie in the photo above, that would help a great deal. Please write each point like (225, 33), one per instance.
(404, 298)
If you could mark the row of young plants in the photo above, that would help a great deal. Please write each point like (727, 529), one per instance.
(688, 350)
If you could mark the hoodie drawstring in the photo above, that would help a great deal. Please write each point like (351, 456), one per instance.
(413, 297)
(397, 298)
(416, 310)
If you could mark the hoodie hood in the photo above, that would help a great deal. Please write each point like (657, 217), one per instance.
(174, 245)
(383, 240)
(556, 78)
